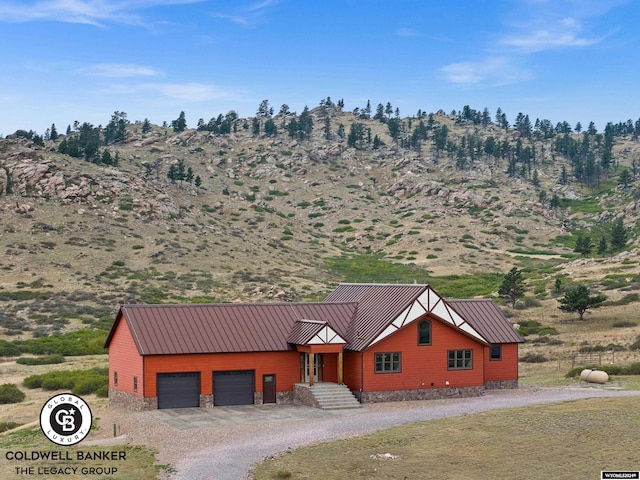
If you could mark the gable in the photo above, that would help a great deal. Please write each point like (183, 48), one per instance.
(429, 302)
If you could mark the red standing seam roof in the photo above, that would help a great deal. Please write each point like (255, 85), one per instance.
(359, 313)
(378, 306)
(224, 328)
(487, 318)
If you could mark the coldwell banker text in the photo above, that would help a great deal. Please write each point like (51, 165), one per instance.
(65, 456)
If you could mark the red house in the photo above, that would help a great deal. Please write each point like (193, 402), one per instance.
(375, 342)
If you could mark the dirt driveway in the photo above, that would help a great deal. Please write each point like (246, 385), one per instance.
(223, 444)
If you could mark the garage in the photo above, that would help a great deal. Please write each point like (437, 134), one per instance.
(233, 387)
(178, 390)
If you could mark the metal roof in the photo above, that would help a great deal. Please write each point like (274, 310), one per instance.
(359, 313)
(485, 316)
(228, 328)
(378, 306)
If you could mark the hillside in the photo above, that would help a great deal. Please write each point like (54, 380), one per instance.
(286, 217)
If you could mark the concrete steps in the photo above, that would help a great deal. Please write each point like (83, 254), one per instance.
(331, 396)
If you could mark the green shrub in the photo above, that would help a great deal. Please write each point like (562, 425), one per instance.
(529, 327)
(80, 382)
(547, 331)
(9, 349)
(534, 358)
(10, 393)
(5, 426)
(633, 369)
(46, 360)
(103, 391)
(635, 345)
(79, 342)
(625, 324)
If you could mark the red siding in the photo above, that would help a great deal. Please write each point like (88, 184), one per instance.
(504, 369)
(352, 375)
(423, 366)
(125, 360)
(286, 365)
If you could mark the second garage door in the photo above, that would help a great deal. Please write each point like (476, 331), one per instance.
(233, 387)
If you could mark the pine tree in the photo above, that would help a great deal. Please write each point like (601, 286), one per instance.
(512, 286)
(618, 235)
(579, 301)
(180, 124)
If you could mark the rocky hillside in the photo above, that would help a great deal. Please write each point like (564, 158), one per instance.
(279, 215)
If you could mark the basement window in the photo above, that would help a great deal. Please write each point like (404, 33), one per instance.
(424, 333)
(460, 359)
(495, 353)
(135, 384)
(115, 379)
(388, 363)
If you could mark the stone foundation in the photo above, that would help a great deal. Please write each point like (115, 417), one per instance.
(206, 401)
(284, 398)
(422, 394)
(129, 401)
(302, 396)
(501, 384)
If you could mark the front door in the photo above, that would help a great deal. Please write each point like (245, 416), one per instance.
(317, 367)
(269, 388)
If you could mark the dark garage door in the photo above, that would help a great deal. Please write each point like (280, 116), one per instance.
(178, 390)
(233, 387)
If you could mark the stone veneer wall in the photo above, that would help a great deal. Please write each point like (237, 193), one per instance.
(118, 398)
(500, 384)
(206, 401)
(302, 396)
(422, 394)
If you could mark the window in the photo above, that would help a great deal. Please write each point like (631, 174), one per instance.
(388, 362)
(115, 379)
(424, 333)
(135, 384)
(460, 360)
(496, 352)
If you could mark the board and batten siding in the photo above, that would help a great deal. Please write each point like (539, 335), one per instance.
(424, 365)
(286, 366)
(125, 360)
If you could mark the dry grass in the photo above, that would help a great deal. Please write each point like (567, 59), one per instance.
(568, 440)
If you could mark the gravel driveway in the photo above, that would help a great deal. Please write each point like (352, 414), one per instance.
(227, 452)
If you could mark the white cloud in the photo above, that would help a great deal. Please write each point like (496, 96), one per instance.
(566, 32)
(407, 32)
(120, 70)
(182, 92)
(247, 16)
(91, 12)
(496, 71)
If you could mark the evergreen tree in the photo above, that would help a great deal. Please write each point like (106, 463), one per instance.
(146, 126)
(618, 235)
(305, 124)
(625, 178)
(198, 181)
(172, 173)
(579, 301)
(53, 133)
(179, 124)
(327, 128)
(602, 246)
(512, 286)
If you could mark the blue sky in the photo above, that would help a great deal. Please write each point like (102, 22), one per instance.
(66, 60)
